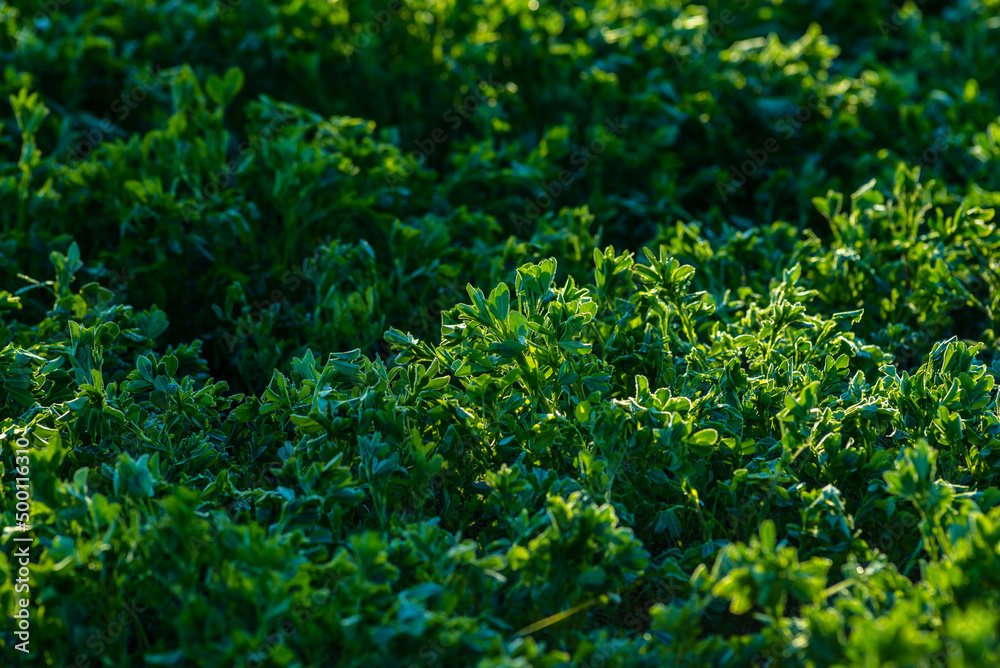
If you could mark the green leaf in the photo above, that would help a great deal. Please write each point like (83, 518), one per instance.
(860, 192)
(768, 536)
(517, 557)
(146, 369)
(704, 437)
(508, 349)
(575, 347)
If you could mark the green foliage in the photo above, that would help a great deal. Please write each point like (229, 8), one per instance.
(503, 333)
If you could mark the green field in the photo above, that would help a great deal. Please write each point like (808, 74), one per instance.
(614, 333)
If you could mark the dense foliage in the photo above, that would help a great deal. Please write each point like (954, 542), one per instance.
(501, 333)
